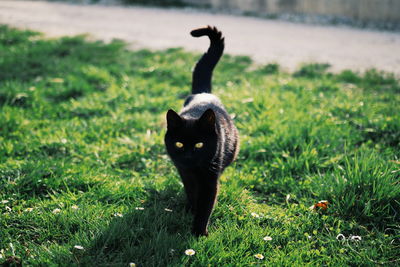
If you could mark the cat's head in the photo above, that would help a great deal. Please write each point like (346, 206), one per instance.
(191, 142)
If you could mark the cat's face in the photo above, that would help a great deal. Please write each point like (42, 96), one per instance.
(191, 143)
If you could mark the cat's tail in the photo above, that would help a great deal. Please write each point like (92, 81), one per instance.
(202, 74)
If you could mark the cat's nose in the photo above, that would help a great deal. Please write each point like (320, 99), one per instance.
(188, 155)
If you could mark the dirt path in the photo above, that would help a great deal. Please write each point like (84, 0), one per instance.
(265, 41)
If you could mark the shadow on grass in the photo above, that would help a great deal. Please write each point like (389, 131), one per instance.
(155, 234)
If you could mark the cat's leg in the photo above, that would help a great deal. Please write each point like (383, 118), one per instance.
(207, 196)
(191, 189)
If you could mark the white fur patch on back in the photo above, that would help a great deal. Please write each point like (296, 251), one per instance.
(199, 99)
(200, 103)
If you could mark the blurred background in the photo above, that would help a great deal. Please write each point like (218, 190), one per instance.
(378, 13)
(347, 34)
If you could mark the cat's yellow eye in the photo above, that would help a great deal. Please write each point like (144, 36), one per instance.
(178, 144)
(198, 145)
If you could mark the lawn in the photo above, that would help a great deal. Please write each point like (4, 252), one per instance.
(85, 179)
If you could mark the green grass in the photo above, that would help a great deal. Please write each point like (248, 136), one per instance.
(82, 124)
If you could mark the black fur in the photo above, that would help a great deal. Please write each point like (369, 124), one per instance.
(201, 80)
(202, 120)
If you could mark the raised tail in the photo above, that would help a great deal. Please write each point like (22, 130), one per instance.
(202, 74)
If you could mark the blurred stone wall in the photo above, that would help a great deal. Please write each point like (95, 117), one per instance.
(361, 10)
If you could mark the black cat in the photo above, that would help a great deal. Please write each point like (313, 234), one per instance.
(202, 140)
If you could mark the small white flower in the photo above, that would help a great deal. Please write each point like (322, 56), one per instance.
(139, 208)
(355, 238)
(168, 210)
(259, 256)
(5, 201)
(29, 209)
(255, 215)
(78, 247)
(117, 214)
(64, 141)
(340, 237)
(131, 264)
(190, 252)
(267, 238)
(56, 211)
(74, 207)
(8, 209)
(309, 237)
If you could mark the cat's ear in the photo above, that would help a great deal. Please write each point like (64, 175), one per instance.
(173, 120)
(207, 120)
